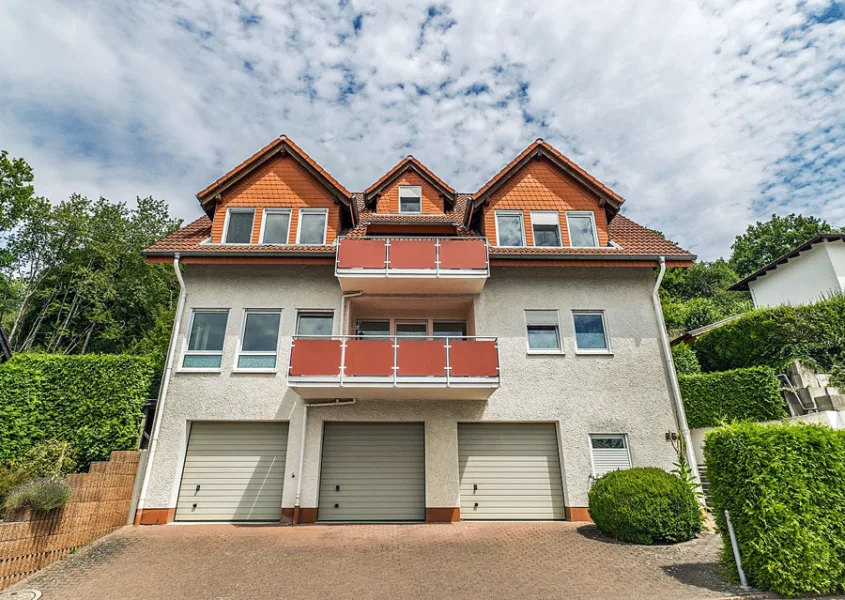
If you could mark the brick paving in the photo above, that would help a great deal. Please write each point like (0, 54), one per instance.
(338, 562)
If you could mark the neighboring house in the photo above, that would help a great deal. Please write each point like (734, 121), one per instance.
(807, 274)
(5, 348)
(408, 353)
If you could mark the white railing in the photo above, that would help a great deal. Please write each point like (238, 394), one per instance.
(387, 266)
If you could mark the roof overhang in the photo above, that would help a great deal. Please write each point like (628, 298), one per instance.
(409, 163)
(742, 285)
(211, 196)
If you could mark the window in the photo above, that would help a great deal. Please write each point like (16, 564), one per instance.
(546, 228)
(450, 329)
(239, 225)
(410, 199)
(509, 231)
(609, 453)
(276, 226)
(312, 226)
(543, 331)
(260, 340)
(412, 329)
(582, 229)
(205, 342)
(373, 330)
(314, 324)
(590, 332)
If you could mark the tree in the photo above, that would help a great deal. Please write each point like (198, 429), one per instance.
(764, 242)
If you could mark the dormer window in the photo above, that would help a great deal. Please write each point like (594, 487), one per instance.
(582, 229)
(410, 199)
(239, 225)
(546, 228)
(509, 229)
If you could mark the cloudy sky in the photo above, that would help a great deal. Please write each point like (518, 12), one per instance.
(705, 115)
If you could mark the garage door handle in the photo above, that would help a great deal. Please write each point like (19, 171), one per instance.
(474, 487)
(198, 489)
(337, 488)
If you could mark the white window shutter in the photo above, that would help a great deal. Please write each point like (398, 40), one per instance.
(541, 317)
(607, 459)
(545, 217)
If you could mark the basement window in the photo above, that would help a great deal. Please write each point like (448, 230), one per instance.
(239, 225)
(609, 452)
(205, 342)
(410, 199)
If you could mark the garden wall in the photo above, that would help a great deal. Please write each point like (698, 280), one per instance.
(99, 504)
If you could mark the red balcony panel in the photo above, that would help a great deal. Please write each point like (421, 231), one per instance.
(413, 254)
(421, 358)
(463, 254)
(315, 357)
(361, 254)
(369, 358)
(473, 358)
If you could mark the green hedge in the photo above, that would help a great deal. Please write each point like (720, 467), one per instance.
(686, 362)
(784, 486)
(645, 505)
(774, 336)
(711, 399)
(93, 401)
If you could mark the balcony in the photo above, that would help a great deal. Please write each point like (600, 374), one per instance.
(424, 265)
(465, 368)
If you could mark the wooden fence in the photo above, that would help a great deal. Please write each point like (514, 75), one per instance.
(99, 504)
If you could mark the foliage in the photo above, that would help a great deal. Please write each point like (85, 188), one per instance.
(764, 242)
(773, 337)
(784, 486)
(751, 394)
(645, 505)
(93, 401)
(50, 458)
(837, 377)
(686, 362)
(40, 494)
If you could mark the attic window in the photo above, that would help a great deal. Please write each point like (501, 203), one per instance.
(239, 225)
(410, 199)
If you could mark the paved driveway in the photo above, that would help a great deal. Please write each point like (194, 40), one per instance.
(465, 561)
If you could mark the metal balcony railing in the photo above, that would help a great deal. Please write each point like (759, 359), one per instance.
(395, 361)
(425, 257)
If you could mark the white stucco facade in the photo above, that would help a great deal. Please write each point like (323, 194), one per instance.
(623, 392)
(804, 279)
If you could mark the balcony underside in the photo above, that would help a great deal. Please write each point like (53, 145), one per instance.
(421, 282)
(406, 388)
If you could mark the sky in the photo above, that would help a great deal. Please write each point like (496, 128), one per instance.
(705, 115)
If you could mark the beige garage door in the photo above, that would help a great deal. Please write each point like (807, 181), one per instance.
(509, 471)
(233, 472)
(372, 472)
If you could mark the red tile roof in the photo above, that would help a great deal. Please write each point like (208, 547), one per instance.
(409, 162)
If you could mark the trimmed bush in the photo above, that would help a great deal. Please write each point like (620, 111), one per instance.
(772, 337)
(41, 494)
(645, 505)
(93, 401)
(711, 399)
(784, 486)
(686, 362)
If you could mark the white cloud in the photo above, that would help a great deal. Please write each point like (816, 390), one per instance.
(705, 116)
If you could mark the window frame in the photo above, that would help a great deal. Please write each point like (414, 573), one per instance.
(410, 212)
(362, 337)
(314, 311)
(240, 347)
(510, 213)
(237, 209)
(425, 322)
(275, 211)
(608, 348)
(581, 213)
(186, 342)
(312, 211)
(543, 351)
(556, 213)
(625, 439)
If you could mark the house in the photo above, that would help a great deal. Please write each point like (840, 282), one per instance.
(408, 353)
(807, 274)
(5, 348)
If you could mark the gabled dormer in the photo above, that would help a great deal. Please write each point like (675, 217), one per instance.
(280, 197)
(543, 199)
(410, 188)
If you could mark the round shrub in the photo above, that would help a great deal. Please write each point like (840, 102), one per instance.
(645, 505)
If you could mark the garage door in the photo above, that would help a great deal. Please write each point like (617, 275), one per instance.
(233, 472)
(372, 472)
(509, 471)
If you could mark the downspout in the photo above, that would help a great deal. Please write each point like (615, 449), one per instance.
(165, 385)
(296, 504)
(675, 389)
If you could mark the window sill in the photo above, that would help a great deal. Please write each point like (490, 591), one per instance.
(189, 371)
(546, 353)
(595, 352)
(255, 371)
